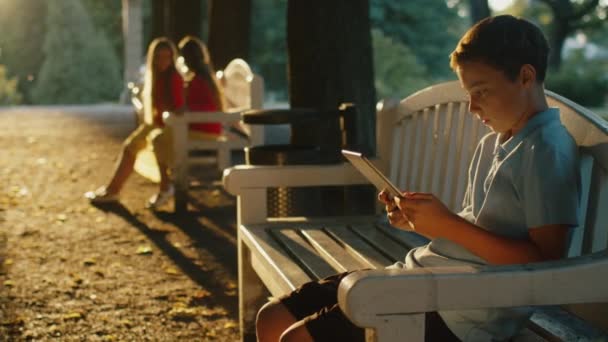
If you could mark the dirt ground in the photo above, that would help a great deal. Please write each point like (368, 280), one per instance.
(70, 271)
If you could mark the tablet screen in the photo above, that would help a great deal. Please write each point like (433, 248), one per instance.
(361, 163)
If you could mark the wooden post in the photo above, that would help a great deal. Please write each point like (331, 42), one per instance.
(175, 19)
(133, 36)
(229, 31)
(330, 62)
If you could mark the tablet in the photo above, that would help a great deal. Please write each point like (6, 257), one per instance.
(361, 163)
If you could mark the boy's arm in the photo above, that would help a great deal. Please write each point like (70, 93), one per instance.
(432, 219)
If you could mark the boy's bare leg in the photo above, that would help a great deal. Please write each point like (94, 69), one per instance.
(272, 321)
(296, 333)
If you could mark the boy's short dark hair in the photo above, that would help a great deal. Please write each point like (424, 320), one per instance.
(506, 43)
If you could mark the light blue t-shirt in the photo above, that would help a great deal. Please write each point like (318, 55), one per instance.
(528, 181)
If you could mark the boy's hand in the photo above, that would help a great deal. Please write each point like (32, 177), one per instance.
(424, 210)
(396, 217)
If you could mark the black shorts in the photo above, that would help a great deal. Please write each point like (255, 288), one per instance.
(317, 304)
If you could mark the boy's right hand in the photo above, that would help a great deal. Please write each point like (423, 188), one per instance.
(396, 217)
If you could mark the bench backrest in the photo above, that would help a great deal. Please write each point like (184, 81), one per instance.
(242, 88)
(426, 142)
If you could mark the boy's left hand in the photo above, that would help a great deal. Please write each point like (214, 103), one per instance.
(424, 210)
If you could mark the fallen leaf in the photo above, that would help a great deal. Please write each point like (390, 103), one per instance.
(230, 325)
(171, 271)
(72, 316)
(179, 313)
(9, 283)
(144, 250)
(8, 262)
(62, 217)
(89, 262)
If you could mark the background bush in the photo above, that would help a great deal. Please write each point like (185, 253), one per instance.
(80, 64)
(581, 80)
(9, 94)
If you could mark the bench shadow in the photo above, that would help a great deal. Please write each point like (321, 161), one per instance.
(220, 247)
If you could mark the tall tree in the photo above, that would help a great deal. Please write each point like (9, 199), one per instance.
(80, 65)
(330, 62)
(479, 9)
(568, 17)
(229, 27)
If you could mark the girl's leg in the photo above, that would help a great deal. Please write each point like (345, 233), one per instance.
(124, 167)
(163, 145)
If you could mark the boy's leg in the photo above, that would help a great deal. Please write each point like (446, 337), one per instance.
(309, 299)
(124, 167)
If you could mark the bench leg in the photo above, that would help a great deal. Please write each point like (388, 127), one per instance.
(181, 187)
(223, 158)
(397, 328)
(252, 293)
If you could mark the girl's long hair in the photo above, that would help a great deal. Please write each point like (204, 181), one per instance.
(197, 59)
(151, 75)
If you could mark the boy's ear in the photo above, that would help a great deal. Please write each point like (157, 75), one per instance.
(527, 75)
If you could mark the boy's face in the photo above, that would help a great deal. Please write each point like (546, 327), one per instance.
(498, 102)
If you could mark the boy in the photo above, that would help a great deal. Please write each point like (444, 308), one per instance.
(521, 201)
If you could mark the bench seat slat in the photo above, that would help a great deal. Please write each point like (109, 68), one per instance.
(358, 247)
(306, 255)
(335, 254)
(380, 241)
(408, 239)
(279, 272)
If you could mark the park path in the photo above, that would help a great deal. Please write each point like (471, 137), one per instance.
(70, 271)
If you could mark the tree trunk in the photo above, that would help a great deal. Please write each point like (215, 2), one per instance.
(133, 36)
(560, 31)
(330, 62)
(479, 10)
(229, 25)
(175, 19)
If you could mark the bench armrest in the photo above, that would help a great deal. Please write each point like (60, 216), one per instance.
(367, 297)
(202, 117)
(241, 177)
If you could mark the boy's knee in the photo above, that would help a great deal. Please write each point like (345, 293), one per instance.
(272, 319)
(296, 333)
(268, 313)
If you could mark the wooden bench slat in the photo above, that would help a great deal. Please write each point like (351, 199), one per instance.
(305, 255)
(358, 247)
(385, 245)
(335, 254)
(279, 273)
(408, 239)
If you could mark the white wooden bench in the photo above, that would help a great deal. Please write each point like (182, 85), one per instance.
(243, 90)
(433, 128)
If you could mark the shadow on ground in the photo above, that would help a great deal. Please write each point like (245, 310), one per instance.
(206, 226)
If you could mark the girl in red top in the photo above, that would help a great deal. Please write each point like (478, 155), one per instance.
(204, 93)
(163, 91)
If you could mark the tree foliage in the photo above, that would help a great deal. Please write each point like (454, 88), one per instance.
(9, 94)
(268, 52)
(22, 24)
(581, 80)
(107, 17)
(80, 64)
(398, 72)
(430, 28)
(561, 19)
